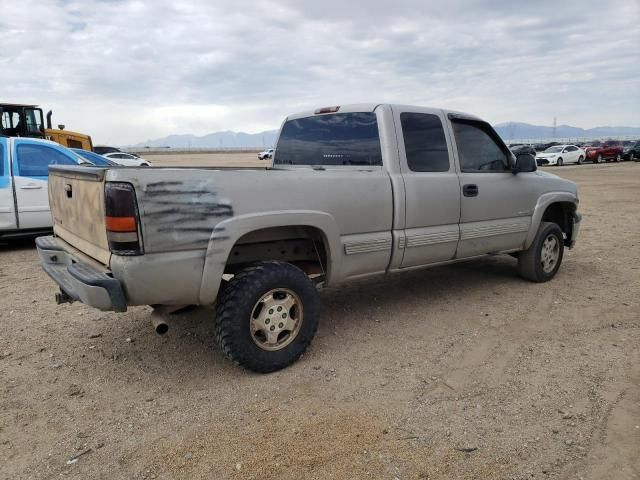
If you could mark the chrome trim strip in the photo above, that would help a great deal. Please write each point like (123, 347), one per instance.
(493, 230)
(366, 246)
(431, 239)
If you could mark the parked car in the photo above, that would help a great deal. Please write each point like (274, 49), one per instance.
(24, 203)
(608, 151)
(94, 158)
(541, 147)
(265, 155)
(561, 154)
(517, 149)
(127, 159)
(102, 149)
(354, 191)
(631, 151)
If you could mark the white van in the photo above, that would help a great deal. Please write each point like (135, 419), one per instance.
(24, 171)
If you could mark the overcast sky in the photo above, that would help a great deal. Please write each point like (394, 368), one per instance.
(128, 71)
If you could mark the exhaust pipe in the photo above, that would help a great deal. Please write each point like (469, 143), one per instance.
(159, 316)
(160, 324)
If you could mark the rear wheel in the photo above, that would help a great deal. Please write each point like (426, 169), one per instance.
(580, 160)
(541, 261)
(267, 316)
(618, 157)
(598, 158)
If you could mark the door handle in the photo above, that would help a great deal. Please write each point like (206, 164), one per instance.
(470, 190)
(30, 186)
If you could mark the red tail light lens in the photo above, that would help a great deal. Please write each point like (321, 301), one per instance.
(122, 219)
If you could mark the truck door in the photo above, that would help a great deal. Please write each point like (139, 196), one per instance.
(496, 205)
(432, 189)
(7, 211)
(31, 160)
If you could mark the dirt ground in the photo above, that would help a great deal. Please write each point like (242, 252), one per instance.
(463, 371)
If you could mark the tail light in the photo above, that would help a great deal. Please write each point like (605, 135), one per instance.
(122, 219)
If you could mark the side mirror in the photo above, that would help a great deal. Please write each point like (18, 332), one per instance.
(525, 162)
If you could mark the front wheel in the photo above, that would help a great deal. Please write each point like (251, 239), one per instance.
(598, 158)
(559, 163)
(541, 261)
(267, 316)
(618, 157)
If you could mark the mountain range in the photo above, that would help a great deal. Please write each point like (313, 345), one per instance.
(510, 130)
(266, 139)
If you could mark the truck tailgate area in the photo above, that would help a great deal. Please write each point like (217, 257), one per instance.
(76, 197)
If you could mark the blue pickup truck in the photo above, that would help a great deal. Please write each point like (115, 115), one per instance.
(24, 171)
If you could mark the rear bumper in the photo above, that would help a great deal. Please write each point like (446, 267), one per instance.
(80, 280)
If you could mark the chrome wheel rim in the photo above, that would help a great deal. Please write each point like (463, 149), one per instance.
(550, 253)
(276, 319)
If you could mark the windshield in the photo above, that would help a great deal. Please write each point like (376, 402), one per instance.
(93, 157)
(553, 150)
(335, 139)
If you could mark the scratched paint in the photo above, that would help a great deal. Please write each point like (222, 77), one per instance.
(181, 214)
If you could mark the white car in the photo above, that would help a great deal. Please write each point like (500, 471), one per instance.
(127, 159)
(267, 154)
(561, 154)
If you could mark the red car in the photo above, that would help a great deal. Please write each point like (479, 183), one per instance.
(608, 151)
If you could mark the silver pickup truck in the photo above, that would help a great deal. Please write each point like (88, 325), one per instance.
(354, 190)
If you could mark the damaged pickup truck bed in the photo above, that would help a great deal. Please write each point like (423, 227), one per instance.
(354, 190)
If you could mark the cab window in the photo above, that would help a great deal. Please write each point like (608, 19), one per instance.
(478, 149)
(335, 139)
(424, 142)
(34, 160)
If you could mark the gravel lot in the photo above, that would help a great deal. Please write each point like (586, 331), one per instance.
(464, 371)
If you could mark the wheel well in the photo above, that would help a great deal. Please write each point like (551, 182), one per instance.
(561, 213)
(303, 246)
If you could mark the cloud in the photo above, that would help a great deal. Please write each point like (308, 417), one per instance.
(126, 71)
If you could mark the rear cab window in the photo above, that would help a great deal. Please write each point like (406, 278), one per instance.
(330, 139)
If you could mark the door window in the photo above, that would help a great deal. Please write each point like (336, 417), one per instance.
(34, 160)
(424, 142)
(477, 149)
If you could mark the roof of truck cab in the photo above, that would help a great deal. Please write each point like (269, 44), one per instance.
(370, 107)
(32, 139)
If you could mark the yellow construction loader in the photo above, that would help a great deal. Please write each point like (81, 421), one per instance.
(18, 120)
